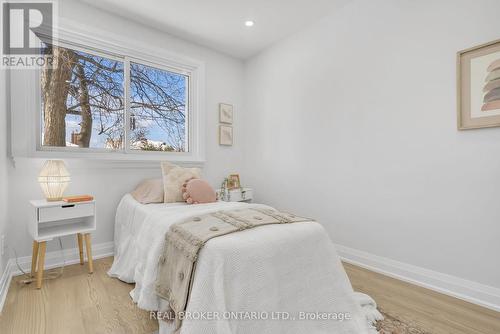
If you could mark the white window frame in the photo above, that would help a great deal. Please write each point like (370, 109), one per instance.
(26, 127)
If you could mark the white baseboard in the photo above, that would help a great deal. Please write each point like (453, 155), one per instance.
(469, 291)
(52, 260)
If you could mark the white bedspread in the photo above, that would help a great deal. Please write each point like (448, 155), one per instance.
(290, 268)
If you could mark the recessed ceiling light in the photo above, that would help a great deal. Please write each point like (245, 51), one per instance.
(249, 23)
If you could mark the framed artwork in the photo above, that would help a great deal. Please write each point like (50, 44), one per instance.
(225, 135)
(478, 86)
(233, 181)
(225, 113)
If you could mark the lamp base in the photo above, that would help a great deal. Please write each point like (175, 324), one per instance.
(58, 199)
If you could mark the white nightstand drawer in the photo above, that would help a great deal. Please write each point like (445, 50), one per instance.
(65, 211)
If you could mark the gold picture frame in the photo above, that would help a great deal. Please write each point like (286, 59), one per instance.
(233, 181)
(478, 86)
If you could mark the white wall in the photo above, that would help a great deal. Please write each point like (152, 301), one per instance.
(353, 122)
(223, 84)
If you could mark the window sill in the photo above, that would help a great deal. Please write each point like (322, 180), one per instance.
(113, 160)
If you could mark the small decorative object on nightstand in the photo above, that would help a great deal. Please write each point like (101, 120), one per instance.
(49, 220)
(235, 195)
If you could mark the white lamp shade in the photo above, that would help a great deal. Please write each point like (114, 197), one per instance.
(54, 178)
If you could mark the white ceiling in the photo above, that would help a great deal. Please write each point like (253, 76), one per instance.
(219, 24)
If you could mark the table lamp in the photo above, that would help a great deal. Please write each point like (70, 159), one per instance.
(54, 178)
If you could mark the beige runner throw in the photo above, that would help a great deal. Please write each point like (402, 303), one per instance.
(184, 240)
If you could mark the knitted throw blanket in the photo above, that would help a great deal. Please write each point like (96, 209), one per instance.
(184, 240)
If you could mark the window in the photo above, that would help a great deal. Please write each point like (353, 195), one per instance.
(158, 101)
(93, 101)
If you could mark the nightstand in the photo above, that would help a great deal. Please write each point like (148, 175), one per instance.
(49, 220)
(236, 195)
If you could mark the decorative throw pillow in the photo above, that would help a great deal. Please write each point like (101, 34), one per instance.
(173, 179)
(149, 191)
(196, 191)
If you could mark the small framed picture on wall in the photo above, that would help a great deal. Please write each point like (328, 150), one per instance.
(225, 135)
(225, 113)
(478, 84)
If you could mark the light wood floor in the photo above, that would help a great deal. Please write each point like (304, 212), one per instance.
(432, 311)
(80, 303)
(76, 303)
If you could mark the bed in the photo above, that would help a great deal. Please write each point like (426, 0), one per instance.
(271, 279)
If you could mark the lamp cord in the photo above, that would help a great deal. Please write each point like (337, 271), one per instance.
(51, 274)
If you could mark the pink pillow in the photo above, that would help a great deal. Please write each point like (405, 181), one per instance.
(195, 191)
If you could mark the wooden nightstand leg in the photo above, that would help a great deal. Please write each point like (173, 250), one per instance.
(41, 260)
(34, 257)
(80, 247)
(89, 252)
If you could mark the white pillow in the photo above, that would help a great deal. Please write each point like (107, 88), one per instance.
(173, 179)
(149, 191)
